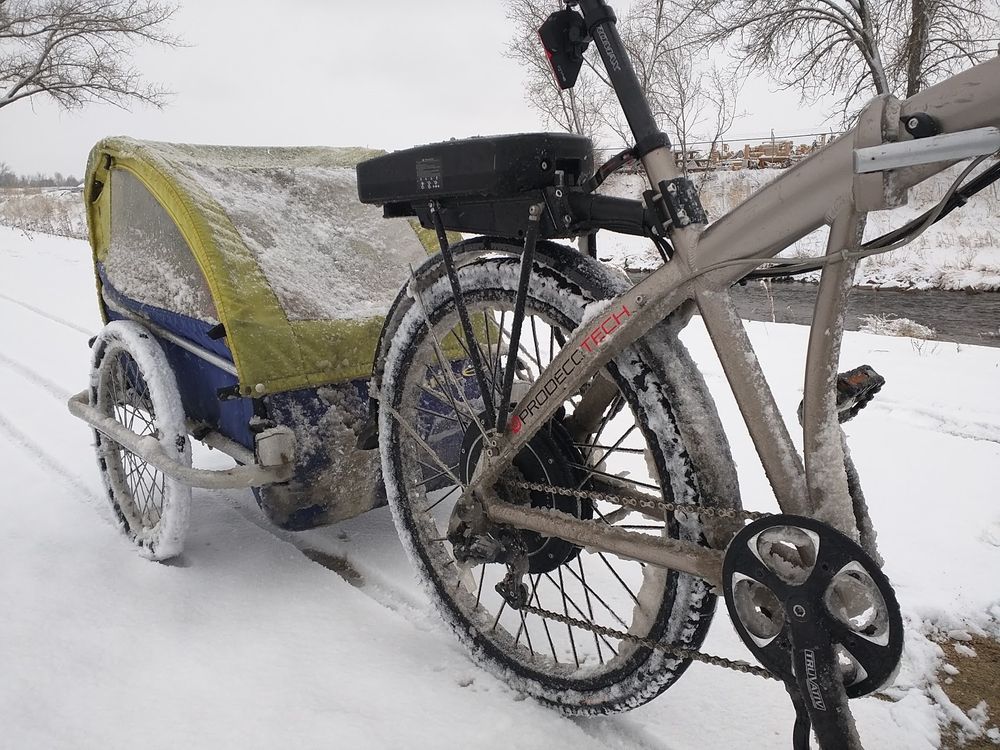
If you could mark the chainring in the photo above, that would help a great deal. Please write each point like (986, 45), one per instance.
(791, 582)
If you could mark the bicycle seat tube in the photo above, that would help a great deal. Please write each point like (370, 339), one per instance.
(651, 144)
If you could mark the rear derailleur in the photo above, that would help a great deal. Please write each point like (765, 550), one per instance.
(504, 546)
(819, 614)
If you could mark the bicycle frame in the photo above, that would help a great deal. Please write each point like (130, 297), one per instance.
(822, 189)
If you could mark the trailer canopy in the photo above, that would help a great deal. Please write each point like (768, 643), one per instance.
(270, 242)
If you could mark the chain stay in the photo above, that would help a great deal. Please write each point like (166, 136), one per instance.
(652, 503)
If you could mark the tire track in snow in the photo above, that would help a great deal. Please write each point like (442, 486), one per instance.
(44, 457)
(951, 423)
(48, 316)
(342, 562)
(33, 376)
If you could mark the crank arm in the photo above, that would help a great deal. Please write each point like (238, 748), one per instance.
(821, 699)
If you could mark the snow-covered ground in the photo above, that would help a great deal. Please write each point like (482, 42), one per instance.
(960, 252)
(246, 643)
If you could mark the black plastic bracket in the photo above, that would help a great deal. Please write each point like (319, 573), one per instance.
(658, 210)
(921, 125)
(682, 202)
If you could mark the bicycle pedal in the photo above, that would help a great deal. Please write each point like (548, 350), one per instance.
(855, 390)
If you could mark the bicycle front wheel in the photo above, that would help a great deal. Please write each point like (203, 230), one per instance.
(430, 422)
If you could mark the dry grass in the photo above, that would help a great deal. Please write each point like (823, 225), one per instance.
(888, 325)
(978, 680)
(57, 212)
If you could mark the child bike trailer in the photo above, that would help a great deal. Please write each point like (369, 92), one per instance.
(243, 291)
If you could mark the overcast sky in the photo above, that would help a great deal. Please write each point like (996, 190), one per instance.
(381, 73)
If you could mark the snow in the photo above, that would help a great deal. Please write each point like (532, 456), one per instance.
(247, 643)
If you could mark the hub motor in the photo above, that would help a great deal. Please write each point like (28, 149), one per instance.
(549, 458)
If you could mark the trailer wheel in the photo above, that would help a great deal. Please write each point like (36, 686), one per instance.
(132, 383)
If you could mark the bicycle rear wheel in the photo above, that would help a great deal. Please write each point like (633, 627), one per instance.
(430, 417)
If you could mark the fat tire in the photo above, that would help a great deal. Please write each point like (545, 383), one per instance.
(685, 605)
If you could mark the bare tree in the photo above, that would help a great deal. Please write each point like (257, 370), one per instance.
(723, 90)
(78, 51)
(852, 48)
(683, 100)
(7, 176)
(680, 92)
(816, 46)
(936, 38)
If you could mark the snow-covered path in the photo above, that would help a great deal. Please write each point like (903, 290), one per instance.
(248, 643)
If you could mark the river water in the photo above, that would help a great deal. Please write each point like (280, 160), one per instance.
(967, 318)
(963, 317)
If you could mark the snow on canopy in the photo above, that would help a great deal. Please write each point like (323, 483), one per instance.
(271, 242)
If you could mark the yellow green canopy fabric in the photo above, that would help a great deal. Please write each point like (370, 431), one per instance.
(299, 271)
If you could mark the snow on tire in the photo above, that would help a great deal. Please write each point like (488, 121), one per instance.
(430, 409)
(132, 382)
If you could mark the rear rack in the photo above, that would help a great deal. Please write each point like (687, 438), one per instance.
(488, 185)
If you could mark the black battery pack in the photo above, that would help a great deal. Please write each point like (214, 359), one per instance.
(502, 166)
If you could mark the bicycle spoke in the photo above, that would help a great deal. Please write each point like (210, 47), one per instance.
(445, 366)
(586, 598)
(433, 505)
(545, 623)
(439, 474)
(569, 628)
(579, 611)
(618, 577)
(604, 457)
(620, 449)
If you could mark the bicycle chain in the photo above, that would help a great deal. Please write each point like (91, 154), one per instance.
(630, 502)
(678, 651)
